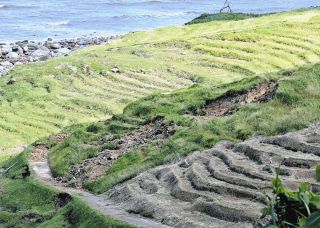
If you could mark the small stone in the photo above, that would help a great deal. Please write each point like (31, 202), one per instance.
(115, 70)
(11, 81)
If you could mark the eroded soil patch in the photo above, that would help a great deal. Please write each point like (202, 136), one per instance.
(230, 103)
(223, 186)
(151, 134)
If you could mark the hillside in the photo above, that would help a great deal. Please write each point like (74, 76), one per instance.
(148, 115)
(97, 82)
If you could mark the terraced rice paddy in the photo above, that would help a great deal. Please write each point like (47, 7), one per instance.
(97, 82)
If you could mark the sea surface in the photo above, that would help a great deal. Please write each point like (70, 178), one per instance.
(40, 19)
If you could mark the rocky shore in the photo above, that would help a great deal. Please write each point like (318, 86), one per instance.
(22, 52)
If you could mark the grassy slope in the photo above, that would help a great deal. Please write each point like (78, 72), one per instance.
(50, 95)
(295, 106)
(259, 47)
(22, 196)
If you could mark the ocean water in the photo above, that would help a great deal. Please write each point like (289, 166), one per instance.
(40, 19)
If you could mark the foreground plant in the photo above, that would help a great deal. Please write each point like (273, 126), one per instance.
(289, 208)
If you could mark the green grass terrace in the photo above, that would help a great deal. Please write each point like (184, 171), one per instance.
(98, 82)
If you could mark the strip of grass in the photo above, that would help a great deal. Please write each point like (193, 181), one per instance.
(25, 202)
(207, 17)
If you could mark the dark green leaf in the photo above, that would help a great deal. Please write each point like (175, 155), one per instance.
(315, 201)
(313, 221)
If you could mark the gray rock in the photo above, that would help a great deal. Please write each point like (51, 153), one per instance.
(41, 55)
(15, 48)
(32, 46)
(115, 70)
(6, 64)
(43, 48)
(63, 51)
(25, 49)
(11, 81)
(12, 55)
(54, 46)
(6, 49)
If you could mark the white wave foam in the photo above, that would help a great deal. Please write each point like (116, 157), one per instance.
(59, 23)
(3, 6)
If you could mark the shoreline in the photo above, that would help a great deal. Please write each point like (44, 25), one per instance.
(22, 52)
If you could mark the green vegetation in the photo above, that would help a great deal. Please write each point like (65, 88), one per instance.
(83, 87)
(207, 17)
(288, 208)
(25, 202)
(98, 82)
(295, 106)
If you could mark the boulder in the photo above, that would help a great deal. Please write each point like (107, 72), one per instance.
(63, 51)
(41, 55)
(54, 45)
(6, 49)
(32, 46)
(6, 64)
(12, 55)
(25, 49)
(15, 48)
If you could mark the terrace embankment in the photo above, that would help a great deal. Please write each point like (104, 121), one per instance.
(223, 186)
(231, 102)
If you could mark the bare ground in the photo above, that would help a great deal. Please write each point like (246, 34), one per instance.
(230, 103)
(221, 187)
(153, 133)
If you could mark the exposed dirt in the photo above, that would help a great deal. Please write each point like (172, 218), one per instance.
(230, 103)
(62, 199)
(153, 133)
(221, 187)
(39, 153)
(33, 217)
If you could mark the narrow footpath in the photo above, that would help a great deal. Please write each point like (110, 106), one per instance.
(38, 163)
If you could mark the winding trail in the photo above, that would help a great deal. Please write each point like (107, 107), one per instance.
(41, 170)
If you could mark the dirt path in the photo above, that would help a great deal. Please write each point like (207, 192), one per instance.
(40, 166)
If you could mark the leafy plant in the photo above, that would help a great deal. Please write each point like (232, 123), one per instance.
(289, 208)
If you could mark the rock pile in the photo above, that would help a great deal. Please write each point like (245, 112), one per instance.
(30, 51)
